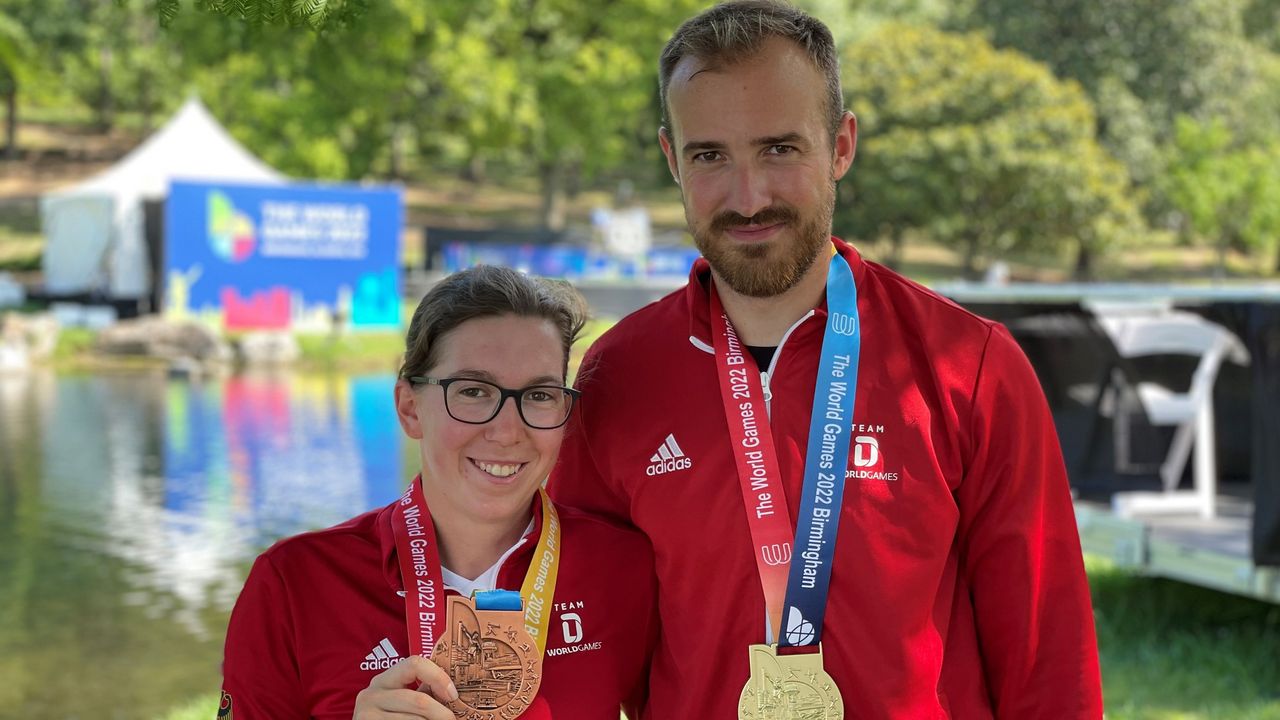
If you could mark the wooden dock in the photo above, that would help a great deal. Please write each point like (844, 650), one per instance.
(1212, 552)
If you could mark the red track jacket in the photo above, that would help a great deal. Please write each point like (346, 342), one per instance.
(319, 616)
(958, 588)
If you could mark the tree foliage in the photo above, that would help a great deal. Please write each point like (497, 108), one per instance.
(1228, 195)
(556, 87)
(562, 83)
(330, 105)
(1147, 62)
(979, 147)
(315, 14)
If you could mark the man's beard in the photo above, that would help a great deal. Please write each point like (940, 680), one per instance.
(760, 270)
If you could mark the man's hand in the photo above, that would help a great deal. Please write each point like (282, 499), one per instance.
(390, 695)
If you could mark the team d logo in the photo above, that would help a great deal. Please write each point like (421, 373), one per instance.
(571, 626)
(866, 451)
(224, 707)
(866, 461)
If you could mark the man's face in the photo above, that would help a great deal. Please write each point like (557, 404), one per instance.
(750, 147)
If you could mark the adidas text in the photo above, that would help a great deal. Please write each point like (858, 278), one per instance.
(669, 458)
(666, 466)
(384, 655)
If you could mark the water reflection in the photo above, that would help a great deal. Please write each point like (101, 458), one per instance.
(131, 505)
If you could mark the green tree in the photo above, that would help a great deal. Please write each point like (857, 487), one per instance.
(1229, 195)
(1145, 62)
(979, 147)
(104, 55)
(555, 88)
(315, 14)
(1262, 23)
(126, 64)
(559, 83)
(334, 105)
(17, 64)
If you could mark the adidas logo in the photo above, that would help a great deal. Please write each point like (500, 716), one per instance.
(384, 655)
(669, 458)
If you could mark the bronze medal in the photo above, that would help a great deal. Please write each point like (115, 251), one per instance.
(783, 687)
(492, 659)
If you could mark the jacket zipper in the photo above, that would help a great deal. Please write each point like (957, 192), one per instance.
(773, 362)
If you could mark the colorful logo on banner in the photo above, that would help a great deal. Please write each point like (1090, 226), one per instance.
(231, 232)
(277, 257)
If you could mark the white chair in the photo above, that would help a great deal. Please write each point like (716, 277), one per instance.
(1190, 412)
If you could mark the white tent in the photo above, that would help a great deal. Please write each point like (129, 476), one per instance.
(94, 231)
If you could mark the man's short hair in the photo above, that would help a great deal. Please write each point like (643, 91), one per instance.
(734, 31)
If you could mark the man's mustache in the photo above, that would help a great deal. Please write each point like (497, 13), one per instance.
(774, 215)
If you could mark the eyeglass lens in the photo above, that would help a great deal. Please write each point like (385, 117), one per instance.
(543, 406)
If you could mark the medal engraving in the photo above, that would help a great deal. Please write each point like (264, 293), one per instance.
(492, 660)
(788, 687)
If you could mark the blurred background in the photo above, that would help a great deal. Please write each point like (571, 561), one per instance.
(184, 380)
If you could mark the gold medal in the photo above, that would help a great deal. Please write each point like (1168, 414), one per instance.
(787, 687)
(492, 659)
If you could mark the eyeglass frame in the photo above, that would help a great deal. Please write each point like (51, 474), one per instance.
(503, 394)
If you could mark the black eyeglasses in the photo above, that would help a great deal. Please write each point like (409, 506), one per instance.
(542, 407)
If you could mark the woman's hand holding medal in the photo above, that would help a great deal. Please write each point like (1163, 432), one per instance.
(391, 695)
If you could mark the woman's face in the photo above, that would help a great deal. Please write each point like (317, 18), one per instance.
(489, 472)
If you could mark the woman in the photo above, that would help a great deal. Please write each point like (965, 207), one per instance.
(328, 615)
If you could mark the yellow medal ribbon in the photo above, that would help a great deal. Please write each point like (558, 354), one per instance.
(540, 581)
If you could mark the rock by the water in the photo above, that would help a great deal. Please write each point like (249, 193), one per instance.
(268, 348)
(155, 337)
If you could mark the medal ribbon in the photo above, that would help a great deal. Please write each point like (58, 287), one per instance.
(800, 587)
(540, 580)
(826, 460)
(419, 557)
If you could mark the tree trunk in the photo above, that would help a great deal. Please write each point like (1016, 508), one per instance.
(147, 36)
(399, 138)
(971, 257)
(553, 200)
(106, 100)
(896, 243)
(145, 100)
(474, 172)
(11, 120)
(573, 180)
(1084, 263)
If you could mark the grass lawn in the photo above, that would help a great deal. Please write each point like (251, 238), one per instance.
(20, 240)
(1172, 651)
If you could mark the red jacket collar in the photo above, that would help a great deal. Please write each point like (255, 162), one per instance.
(697, 292)
(518, 559)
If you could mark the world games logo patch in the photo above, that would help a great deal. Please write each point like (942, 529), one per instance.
(866, 458)
(224, 707)
(231, 232)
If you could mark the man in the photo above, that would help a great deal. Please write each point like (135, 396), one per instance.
(936, 507)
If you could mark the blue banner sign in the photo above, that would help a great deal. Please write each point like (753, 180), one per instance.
(283, 256)
(573, 263)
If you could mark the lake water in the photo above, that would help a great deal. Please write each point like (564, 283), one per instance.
(132, 505)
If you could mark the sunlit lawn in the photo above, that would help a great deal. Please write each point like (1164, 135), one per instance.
(1176, 651)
